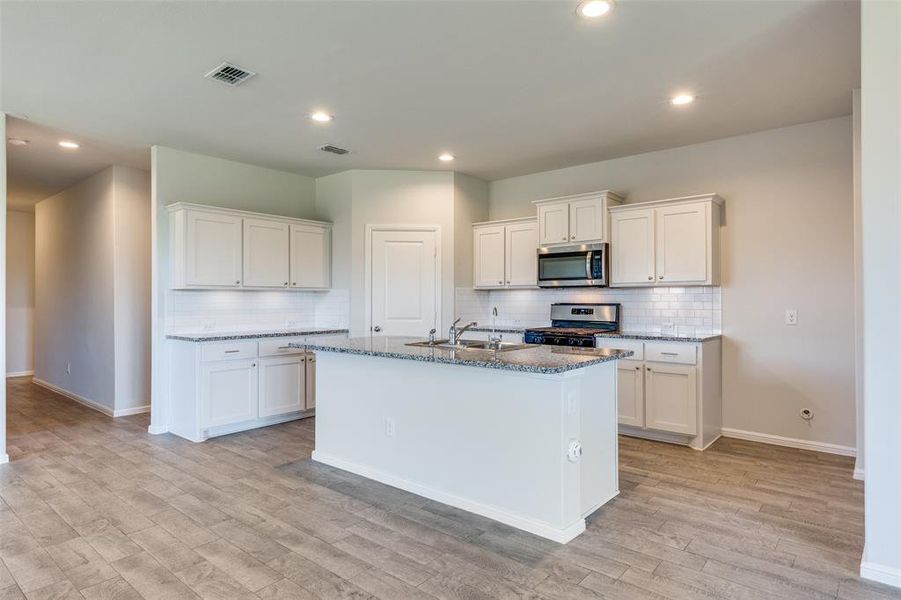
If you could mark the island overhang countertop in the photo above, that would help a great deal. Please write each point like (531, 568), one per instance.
(531, 359)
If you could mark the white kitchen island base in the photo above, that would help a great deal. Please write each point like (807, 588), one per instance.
(500, 443)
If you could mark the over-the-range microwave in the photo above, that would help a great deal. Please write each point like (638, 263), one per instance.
(582, 265)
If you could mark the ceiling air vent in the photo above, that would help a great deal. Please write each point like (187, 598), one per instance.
(230, 74)
(334, 149)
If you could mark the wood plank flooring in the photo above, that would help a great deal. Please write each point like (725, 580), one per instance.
(95, 508)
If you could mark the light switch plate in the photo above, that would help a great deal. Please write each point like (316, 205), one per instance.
(791, 316)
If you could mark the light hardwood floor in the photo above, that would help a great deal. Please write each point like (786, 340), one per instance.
(96, 508)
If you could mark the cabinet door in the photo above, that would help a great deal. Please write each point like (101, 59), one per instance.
(212, 249)
(522, 255)
(630, 393)
(586, 220)
(671, 398)
(265, 253)
(311, 257)
(282, 384)
(228, 390)
(683, 244)
(632, 247)
(553, 223)
(311, 380)
(488, 256)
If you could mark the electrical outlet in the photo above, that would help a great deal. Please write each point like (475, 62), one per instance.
(68, 368)
(791, 316)
(389, 427)
(291, 323)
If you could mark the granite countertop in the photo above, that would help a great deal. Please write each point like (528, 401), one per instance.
(532, 359)
(622, 335)
(224, 336)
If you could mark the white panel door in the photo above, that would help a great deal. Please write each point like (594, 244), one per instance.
(632, 247)
(553, 223)
(630, 393)
(682, 243)
(282, 384)
(488, 256)
(586, 220)
(228, 391)
(212, 249)
(671, 398)
(265, 253)
(311, 258)
(404, 285)
(522, 255)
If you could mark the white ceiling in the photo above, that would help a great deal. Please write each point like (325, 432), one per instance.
(509, 87)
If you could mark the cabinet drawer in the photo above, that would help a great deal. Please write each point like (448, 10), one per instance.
(228, 350)
(635, 346)
(685, 354)
(279, 346)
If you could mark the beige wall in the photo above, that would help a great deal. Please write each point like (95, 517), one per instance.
(471, 197)
(74, 290)
(19, 293)
(786, 244)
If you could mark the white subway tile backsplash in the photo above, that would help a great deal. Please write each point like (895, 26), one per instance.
(690, 311)
(236, 310)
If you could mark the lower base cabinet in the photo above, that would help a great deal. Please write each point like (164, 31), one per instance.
(670, 391)
(221, 388)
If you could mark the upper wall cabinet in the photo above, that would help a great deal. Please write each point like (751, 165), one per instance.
(575, 219)
(505, 254)
(214, 248)
(669, 242)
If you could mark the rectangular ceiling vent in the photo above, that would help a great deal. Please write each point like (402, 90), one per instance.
(230, 74)
(334, 149)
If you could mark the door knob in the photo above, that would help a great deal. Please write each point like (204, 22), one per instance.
(376, 329)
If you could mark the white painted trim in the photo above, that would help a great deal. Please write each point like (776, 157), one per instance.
(208, 208)
(858, 473)
(20, 374)
(4, 458)
(539, 528)
(881, 573)
(712, 442)
(136, 410)
(157, 430)
(778, 440)
(73, 396)
(367, 270)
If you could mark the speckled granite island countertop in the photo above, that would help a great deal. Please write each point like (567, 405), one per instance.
(225, 336)
(648, 336)
(532, 359)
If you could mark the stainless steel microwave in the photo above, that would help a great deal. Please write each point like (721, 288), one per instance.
(582, 265)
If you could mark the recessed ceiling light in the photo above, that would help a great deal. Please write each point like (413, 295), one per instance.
(17, 142)
(591, 9)
(446, 157)
(321, 117)
(68, 145)
(681, 99)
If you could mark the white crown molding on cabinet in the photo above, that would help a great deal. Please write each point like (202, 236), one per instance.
(242, 213)
(778, 440)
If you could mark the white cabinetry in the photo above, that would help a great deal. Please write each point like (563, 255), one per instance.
(223, 387)
(669, 242)
(575, 219)
(212, 248)
(505, 254)
(311, 256)
(265, 253)
(670, 391)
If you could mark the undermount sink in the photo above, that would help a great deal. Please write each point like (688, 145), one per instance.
(470, 345)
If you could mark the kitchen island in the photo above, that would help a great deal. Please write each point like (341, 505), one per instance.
(524, 436)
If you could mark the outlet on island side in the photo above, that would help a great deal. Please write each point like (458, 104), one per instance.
(389, 426)
(68, 368)
(791, 316)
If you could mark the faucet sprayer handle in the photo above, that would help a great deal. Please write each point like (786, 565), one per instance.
(458, 320)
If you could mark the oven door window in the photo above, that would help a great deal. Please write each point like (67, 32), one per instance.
(569, 266)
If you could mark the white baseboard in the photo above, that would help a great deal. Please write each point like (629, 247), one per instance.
(881, 573)
(539, 528)
(135, 410)
(4, 458)
(858, 474)
(73, 396)
(157, 429)
(19, 374)
(778, 440)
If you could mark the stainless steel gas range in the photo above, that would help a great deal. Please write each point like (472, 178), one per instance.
(576, 325)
